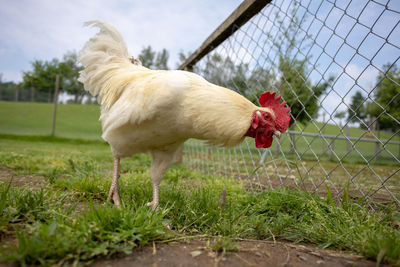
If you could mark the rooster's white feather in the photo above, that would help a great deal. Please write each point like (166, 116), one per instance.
(145, 109)
(157, 110)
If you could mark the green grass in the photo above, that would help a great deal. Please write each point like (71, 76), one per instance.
(58, 234)
(73, 121)
(82, 122)
(64, 219)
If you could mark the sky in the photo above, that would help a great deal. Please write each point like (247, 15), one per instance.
(46, 29)
(349, 40)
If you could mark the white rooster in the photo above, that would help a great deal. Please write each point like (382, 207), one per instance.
(156, 111)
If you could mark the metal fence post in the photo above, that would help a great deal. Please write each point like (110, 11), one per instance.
(53, 128)
(32, 94)
(377, 147)
(348, 142)
(16, 94)
(277, 145)
(323, 144)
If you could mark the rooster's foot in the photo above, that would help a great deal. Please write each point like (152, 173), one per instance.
(114, 196)
(152, 204)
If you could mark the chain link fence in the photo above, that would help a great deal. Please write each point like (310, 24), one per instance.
(16, 93)
(12, 92)
(336, 65)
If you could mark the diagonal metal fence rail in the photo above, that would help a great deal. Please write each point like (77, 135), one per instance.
(336, 64)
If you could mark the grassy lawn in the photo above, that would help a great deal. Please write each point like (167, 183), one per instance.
(82, 121)
(73, 121)
(62, 217)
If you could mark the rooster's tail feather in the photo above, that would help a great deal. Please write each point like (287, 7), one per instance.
(107, 64)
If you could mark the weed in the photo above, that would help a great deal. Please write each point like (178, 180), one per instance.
(222, 245)
(4, 215)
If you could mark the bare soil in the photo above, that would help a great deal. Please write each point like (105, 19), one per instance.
(249, 253)
(7, 176)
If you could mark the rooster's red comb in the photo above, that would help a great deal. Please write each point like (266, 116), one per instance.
(282, 114)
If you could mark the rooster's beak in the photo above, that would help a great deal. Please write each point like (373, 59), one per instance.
(277, 134)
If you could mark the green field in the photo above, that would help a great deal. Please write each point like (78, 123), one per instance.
(73, 121)
(312, 161)
(53, 190)
(82, 121)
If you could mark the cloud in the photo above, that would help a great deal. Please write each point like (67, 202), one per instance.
(11, 76)
(366, 77)
(44, 29)
(354, 78)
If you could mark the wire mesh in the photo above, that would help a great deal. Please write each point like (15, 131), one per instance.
(336, 65)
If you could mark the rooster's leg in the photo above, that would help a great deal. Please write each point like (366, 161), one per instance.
(160, 164)
(114, 189)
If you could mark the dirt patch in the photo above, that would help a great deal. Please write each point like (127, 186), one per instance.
(249, 253)
(7, 240)
(19, 181)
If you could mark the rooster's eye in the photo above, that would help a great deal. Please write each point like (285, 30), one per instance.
(266, 116)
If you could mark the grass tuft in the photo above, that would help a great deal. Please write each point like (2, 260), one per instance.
(67, 221)
(101, 230)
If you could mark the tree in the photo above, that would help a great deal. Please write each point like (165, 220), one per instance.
(154, 60)
(69, 72)
(236, 76)
(298, 91)
(223, 71)
(294, 84)
(1, 83)
(8, 90)
(161, 61)
(357, 109)
(340, 115)
(42, 77)
(387, 99)
(259, 81)
(146, 56)
(182, 58)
